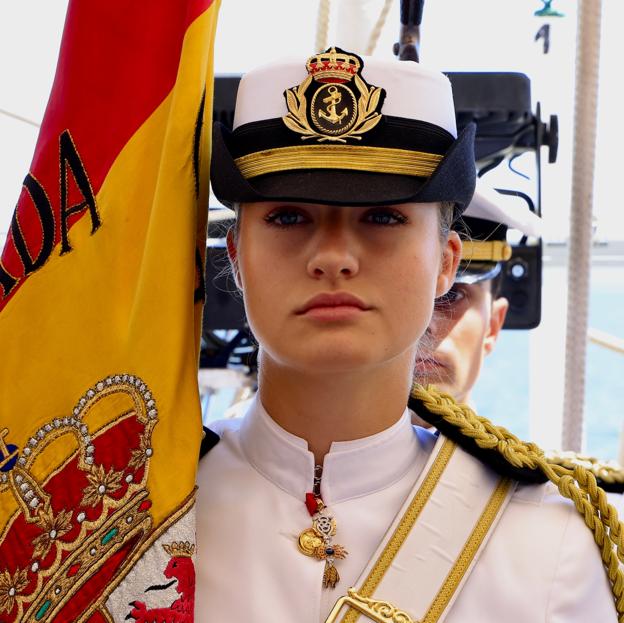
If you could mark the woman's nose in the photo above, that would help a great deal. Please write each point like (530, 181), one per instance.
(334, 255)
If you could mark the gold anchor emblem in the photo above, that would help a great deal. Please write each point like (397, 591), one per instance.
(332, 100)
(333, 109)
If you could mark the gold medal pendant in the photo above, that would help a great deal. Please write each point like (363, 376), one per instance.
(316, 542)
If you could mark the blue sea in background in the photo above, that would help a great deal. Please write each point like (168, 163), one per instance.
(502, 392)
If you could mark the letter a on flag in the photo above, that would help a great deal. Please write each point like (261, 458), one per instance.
(101, 288)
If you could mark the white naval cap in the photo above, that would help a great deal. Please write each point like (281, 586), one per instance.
(344, 130)
(261, 91)
(510, 210)
(484, 226)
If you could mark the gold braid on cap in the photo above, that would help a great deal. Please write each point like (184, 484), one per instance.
(577, 483)
(485, 251)
(345, 157)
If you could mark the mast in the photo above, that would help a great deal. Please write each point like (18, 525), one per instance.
(580, 242)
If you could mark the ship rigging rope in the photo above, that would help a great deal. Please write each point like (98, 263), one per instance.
(7, 113)
(584, 155)
(376, 32)
(606, 340)
(578, 484)
(322, 26)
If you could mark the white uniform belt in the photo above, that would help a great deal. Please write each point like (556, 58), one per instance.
(432, 545)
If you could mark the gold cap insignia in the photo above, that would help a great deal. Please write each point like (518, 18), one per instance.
(334, 102)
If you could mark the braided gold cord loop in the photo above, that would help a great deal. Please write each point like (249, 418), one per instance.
(573, 480)
(485, 434)
(607, 471)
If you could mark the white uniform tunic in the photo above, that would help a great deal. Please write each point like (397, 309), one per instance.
(541, 563)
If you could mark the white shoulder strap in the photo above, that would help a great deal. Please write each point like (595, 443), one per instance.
(432, 545)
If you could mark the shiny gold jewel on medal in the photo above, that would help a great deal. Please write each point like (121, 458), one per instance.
(309, 542)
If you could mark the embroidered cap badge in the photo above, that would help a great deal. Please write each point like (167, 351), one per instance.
(334, 103)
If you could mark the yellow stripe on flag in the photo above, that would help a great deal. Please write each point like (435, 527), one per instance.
(121, 303)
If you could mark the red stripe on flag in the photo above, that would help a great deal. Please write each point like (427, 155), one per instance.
(117, 63)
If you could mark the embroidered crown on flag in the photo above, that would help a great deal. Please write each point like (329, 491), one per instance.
(79, 528)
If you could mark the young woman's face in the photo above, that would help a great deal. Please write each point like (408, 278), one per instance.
(337, 289)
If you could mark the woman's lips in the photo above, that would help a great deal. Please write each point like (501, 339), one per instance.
(333, 306)
(337, 312)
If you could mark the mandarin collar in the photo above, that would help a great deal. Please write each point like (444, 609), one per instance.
(351, 469)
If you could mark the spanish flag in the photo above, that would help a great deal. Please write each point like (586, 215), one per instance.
(101, 289)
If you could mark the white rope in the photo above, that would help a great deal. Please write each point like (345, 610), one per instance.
(376, 32)
(322, 26)
(606, 340)
(579, 259)
(19, 118)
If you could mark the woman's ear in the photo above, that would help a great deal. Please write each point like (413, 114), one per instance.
(497, 320)
(232, 251)
(451, 254)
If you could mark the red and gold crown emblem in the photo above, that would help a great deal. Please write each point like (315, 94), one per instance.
(334, 102)
(333, 66)
(77, 521)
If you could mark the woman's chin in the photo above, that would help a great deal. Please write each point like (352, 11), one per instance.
(340, 363)
(332, 358)
(333, 352)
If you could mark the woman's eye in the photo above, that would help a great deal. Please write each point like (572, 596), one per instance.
(385, 217)
(285, 218)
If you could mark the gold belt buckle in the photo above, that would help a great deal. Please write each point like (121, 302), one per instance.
(374, 610)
